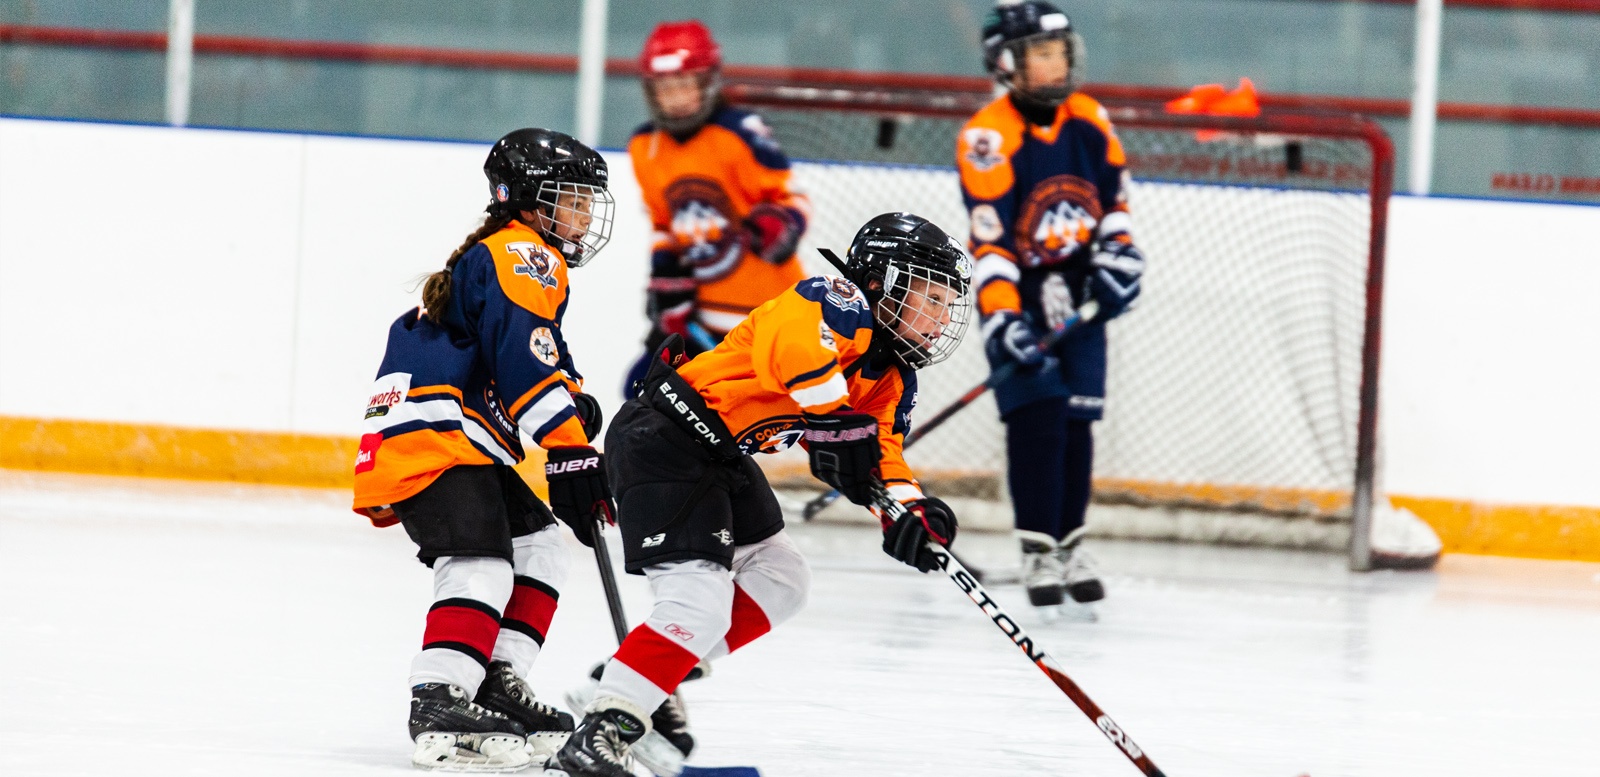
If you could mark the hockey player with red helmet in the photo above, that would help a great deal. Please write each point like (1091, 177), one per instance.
(726, 218)
(482, 360)
(1044, 181)
(830, 362)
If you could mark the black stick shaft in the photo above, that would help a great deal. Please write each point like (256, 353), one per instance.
(608, 581)
(969, 585)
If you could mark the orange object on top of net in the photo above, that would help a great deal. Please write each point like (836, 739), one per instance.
(1216, 100)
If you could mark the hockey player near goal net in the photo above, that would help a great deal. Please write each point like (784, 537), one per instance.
(830, 363)
(717, 187)
(483, 359)
(1043, 178)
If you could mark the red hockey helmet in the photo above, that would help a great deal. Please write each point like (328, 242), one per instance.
(677, 48)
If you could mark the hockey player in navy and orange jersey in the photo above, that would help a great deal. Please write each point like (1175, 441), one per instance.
(718, 188)
(831, 363)
(482, 360)
(1043, 176)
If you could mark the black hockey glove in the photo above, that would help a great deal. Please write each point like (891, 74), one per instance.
(907, 538)
(1114, 277)
(1012, 340)
(589, 414)
(844, 453)
(580, 492)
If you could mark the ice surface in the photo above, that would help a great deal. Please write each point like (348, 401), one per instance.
(153, 628)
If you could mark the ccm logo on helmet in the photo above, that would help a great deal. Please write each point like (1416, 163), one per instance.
(575, 465)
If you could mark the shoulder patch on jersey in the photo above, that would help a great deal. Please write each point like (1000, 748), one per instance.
(543, 345)
(755, 133)
(983, 147)
(844, 307)
(826, 335)
(536, 261)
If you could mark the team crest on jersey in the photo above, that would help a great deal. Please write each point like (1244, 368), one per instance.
(771, 435)
(842, 294)
(703, 226)
(543, 345)
(535, 261)
(983, 147)
(1058, 218)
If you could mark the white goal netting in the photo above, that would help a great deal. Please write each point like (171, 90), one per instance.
(1236, 383)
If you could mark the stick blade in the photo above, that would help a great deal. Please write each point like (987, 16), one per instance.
(720, 771)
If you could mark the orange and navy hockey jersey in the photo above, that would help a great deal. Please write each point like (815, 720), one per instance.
(797, 354)
(1039, 197)
(456, 391)
(699, 192)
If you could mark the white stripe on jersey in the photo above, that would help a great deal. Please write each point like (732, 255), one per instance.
(539, 413)
(830, 390)
(438, 411)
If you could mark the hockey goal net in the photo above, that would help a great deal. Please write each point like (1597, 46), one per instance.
(1242, 391)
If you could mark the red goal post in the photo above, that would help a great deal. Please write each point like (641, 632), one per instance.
(1246, 382)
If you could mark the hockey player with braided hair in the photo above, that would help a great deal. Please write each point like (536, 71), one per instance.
(830, 363)
(718, 188)
(482, 360)
(1044, 181)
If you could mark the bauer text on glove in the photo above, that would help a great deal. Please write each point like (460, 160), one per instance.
(579, 489)
(844, 453)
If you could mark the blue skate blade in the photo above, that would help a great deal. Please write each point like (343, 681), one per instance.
(719, 771)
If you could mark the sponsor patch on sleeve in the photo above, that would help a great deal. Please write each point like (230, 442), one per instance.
(387, 391)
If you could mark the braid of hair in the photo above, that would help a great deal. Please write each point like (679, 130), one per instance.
(436, 288)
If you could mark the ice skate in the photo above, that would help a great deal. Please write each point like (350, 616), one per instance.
(1042, 573)
(454, 735)
(600, 747)
(671, 722)
(547, 728)
(659, 751)
(1079, 574)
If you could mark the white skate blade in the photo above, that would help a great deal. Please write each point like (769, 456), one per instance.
(660, 756)
(482, 753)
(543, 744)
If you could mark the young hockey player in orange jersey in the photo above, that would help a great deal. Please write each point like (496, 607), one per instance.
(718, 189)
(831, 363)
(482, 360)
(1043, 176)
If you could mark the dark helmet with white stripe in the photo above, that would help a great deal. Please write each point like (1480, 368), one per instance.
(918, 280)
(561, 180)
(1009, 29)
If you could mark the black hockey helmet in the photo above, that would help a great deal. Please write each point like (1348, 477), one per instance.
(561, 180)
(918, 281)
(1007, 31)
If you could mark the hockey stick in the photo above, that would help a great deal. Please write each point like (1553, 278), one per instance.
(1085, 313)
(969, 585)
(608, 580)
